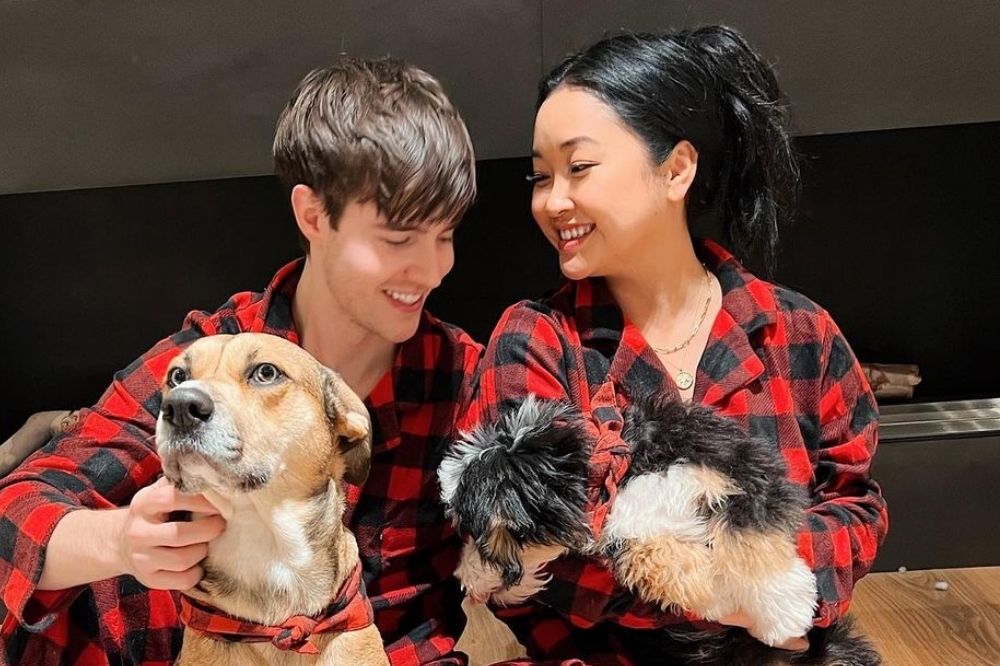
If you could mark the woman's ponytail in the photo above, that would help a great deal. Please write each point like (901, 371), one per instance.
(758, 177)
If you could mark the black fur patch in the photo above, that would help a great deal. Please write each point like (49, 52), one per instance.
(526, 474)
(663, 431)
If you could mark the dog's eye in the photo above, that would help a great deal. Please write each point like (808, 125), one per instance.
(177, 376)
(265, 373)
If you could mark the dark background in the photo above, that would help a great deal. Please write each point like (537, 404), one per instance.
(897, 237)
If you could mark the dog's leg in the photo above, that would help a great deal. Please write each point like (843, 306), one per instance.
(768, 581)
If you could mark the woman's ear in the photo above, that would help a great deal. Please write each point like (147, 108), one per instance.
(310, 213)
(679, 170)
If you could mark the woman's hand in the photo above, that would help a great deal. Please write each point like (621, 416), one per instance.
(741, 619)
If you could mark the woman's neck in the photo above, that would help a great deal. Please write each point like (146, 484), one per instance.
(664, 291)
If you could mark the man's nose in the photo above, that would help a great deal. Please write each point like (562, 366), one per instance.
(187, 407)
(431, 264)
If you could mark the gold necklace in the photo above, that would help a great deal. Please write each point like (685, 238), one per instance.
(685, 379)
(697, 324)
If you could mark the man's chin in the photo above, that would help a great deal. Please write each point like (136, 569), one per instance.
(402, 329)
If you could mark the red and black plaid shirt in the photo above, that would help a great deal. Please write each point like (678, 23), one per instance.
(408, 549)
(775, 362)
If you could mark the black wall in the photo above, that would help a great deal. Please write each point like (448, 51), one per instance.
(898, 238)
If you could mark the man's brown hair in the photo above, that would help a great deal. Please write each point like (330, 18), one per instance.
(377, 130)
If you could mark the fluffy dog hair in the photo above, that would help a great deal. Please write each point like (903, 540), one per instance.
(705, 520)
(517, 489)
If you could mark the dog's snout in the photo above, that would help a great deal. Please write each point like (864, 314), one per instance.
(187, 407)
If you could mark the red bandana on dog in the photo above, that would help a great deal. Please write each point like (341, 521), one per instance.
(349, 611)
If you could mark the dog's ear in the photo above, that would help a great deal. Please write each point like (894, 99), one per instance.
(350, 424)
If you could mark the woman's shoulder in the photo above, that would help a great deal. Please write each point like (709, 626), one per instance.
(796, 311)
(554, 309)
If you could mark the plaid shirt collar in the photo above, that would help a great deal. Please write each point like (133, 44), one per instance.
(398, 392)
(349, 611)
(729, 362)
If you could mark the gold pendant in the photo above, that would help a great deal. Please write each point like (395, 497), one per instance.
(684, 380)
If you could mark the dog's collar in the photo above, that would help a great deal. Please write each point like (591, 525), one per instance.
(349, 611)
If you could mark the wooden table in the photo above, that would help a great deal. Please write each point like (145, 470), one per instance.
(911, 622)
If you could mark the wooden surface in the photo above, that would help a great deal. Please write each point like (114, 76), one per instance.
(911, 622)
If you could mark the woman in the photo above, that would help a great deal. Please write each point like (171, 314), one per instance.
(637, 139)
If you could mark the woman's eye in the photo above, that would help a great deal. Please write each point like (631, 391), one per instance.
(579, 167)
(176, 376)
(536, 178)
(265, 373)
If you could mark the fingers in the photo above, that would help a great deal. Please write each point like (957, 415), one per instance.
(157, 501)
(174, 580)
(178, 535)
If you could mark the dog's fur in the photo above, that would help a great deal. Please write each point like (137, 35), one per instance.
(705, 520)
(271, 458)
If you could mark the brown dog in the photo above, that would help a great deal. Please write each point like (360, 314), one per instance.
(267, 434)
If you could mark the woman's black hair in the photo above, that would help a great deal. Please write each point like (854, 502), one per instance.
(710, 87)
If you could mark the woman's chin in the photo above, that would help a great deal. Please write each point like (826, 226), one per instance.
(575, 269)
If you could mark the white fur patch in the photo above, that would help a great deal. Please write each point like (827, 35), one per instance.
(263, 546)
(478, 579)
(654, 504)
(782, 607)
(533, 561)
(454, 465)
(482, 582)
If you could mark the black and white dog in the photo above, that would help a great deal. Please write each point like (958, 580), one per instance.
(705, 519)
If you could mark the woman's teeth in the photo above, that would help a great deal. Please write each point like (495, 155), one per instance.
(575, 232)
(408, 299)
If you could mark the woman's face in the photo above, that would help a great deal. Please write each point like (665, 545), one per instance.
(597, 196)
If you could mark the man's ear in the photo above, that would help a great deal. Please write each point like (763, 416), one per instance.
(310, 212)
(349, 422)
(679, 169)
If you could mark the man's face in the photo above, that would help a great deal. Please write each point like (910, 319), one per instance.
(379, 277)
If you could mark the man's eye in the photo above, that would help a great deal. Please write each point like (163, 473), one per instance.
(176, 376)
(398, 242)
(265, 373)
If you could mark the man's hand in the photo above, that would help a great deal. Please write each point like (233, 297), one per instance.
(741, 619)
(160, 553)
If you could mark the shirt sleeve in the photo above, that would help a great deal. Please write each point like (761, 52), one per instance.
(525, 356)
(99, 464)
(847, 520)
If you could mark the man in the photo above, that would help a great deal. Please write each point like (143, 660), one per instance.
(379, 169)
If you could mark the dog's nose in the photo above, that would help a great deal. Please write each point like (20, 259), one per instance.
(187, 407)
